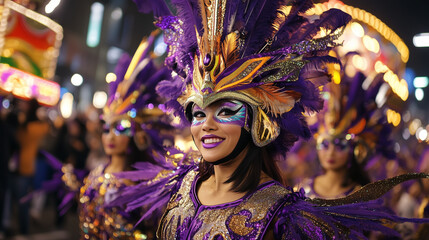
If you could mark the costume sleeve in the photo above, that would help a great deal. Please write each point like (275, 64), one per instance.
(66, 181)
(350, 217)
(155, 184)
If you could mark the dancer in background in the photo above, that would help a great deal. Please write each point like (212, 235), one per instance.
(247, 70)
(353, 139)
(136, 130)
(352, 129)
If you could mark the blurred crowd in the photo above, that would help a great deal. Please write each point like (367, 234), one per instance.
(27, 131)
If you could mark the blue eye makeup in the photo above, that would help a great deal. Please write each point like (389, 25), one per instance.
(198, 116)
(122, 127)
(229, 112)
(233, 112)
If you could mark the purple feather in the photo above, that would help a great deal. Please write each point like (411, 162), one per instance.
(56, 184)
(141, 78)
(172, 89)
(154, 193)
(355, 92)
(315, 70)
(158, 206)
(188, 12)
(120, 70)
(339, 218)
(149, 172)
(52, 185)
(66, 202)
(259, 25)
(331, 19)
(237, 14)
(141, 195)
(52, 161)
(353, 218)
(296, 126)
(230, 16)
(160, 75)
(291, 24)
(159, 8)
(372, 91)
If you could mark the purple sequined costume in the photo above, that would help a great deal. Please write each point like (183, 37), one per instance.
(245, 218)
(97, 221)
(271, 211)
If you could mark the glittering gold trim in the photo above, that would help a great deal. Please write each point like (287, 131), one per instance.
(243, 73)
(370, 191)
(264, 130)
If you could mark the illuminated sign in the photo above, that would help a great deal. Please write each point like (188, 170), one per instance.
(29, 48)
(27, 86)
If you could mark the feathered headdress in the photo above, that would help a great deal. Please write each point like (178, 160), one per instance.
(133, 97)
(132, 94)
(352, 113)
(264, 53)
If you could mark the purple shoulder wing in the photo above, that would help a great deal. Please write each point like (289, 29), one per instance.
(155, 184)
(66, 181)
(345, 218)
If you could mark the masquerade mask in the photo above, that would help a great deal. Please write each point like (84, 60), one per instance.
(228, 112)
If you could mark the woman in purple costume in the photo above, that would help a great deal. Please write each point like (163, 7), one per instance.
(351, 130)
(135, 132)
(246, 73)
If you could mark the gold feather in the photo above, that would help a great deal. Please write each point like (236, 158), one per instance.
(229, 49)
(237, 78)
(274, 99)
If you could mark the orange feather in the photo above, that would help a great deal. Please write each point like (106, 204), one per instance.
(274, 99)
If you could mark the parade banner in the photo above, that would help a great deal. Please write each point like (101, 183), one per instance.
(29, 46)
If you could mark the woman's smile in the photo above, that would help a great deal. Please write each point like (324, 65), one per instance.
(211, 141)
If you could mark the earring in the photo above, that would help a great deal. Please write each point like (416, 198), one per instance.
(142, 140)
(360, 152)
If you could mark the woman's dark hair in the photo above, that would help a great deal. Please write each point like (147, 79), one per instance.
(356, 173)
(247, 175)
(134, 154)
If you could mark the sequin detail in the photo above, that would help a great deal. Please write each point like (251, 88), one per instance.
(246, 218)
(99, 222)
(370, 191)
